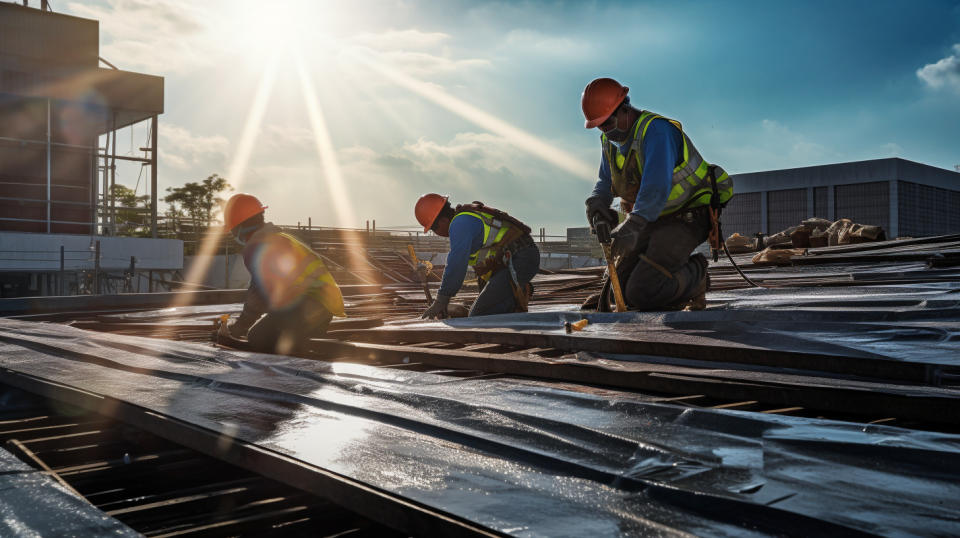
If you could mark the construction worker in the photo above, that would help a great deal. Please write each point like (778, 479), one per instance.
(666, 191)
(289, 283)
(496, 245)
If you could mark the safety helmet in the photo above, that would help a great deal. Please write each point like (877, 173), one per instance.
(600, 98)
(240, 207)
(428, 209)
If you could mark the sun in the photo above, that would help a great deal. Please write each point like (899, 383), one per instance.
(259, 29)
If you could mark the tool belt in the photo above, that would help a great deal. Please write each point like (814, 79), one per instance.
(512, 245)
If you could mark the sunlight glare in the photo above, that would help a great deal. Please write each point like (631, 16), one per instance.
(522, 139)
(237, 171)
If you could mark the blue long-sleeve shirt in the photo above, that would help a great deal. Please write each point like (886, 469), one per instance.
(661, 146)
(466, 237)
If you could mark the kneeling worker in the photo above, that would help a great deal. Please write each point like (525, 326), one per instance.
(289, 283)
(496, 245)
(670, 195)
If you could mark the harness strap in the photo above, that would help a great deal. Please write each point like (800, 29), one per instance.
(657, 266)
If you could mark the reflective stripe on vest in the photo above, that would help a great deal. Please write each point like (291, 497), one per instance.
(690, 185)
(493, 231)
(289, 270)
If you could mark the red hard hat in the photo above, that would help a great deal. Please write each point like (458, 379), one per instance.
(600, 98)
(428, 208)
(240, 207)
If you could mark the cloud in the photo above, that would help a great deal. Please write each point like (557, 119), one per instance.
(540, 44)
(891, 149)
(470, 166)
(413, 52)
(287, 137)
(182, 150)
(943, 74)
(400, 39)
(157, 36)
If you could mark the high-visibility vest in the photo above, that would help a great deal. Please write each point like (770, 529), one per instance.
(286, 270)
(494, 231)
(690, 184)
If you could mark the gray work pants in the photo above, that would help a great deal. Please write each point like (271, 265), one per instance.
(663, 275)
(289, 330)
(497, 295)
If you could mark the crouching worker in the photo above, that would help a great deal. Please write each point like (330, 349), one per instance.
(496, 245)
(289, 283)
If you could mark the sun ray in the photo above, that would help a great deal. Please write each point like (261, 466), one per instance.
(332, 173)
(237, 170)
(522, 139)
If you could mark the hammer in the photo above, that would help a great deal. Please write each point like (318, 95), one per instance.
(602, 228)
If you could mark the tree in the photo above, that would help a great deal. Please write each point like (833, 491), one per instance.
(133, 212)
(197, 201)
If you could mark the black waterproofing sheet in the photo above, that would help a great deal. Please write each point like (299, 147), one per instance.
(916, 322)
(524, 459)
(34, 504)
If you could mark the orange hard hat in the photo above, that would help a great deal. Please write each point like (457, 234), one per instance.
(600, 98)
(428, 209)
(240, 207)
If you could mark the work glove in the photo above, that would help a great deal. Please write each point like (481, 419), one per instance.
(438, 310)
(596, 208)
(237, 329)
(626, 236)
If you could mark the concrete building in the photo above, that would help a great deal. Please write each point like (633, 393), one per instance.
(59, 115)
(904, 197)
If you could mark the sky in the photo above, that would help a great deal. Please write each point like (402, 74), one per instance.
(344, 112)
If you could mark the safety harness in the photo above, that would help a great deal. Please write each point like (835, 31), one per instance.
(503, 236)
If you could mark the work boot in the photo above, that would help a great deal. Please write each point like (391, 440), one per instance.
(698, 300)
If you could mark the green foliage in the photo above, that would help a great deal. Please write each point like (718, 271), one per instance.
(193, 205)
(133, 212)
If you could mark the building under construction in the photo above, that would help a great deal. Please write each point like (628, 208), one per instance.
(822, 399)
(57, 209)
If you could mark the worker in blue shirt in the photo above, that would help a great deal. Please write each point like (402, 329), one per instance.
(665, 189)
(497, 246)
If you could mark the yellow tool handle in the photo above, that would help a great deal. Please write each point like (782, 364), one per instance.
(617, 292)
(614, 281)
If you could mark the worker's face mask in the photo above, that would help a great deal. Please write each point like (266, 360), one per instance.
(241, 233)
(611, 128)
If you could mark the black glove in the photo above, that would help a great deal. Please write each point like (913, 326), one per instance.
(596, 208)
(626, 236)
(237, 329)
(438, 310)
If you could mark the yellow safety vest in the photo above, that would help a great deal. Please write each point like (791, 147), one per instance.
(288, 270)
(690, 184)
(494, 230)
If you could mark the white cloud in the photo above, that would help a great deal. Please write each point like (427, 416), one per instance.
(541, 44)
(182, 150)
(891, 149)
(943, 74)
(157, 36)
(470, 166)
(400, 39)
(413, 52)
(287, 137)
